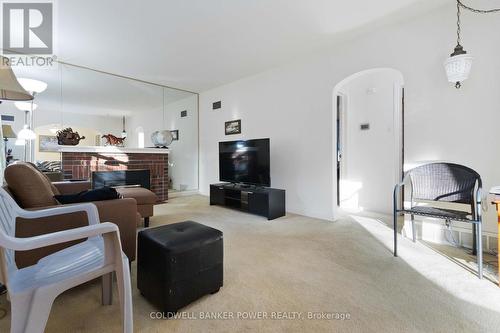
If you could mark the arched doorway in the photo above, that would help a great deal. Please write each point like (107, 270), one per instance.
(368, 122)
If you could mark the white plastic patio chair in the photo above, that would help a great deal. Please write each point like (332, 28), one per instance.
(33, 289)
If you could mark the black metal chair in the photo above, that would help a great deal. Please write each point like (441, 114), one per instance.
(445, 182)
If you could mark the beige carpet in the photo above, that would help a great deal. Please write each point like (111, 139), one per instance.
(299, 264)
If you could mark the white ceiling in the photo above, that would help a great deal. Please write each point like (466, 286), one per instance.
(201, 44)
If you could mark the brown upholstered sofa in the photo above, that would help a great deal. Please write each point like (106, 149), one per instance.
(33, 190)
(145, 198)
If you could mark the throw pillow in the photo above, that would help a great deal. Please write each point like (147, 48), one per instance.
(29, 186)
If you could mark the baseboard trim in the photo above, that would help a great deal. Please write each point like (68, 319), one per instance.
(182, 194)
(436, 231)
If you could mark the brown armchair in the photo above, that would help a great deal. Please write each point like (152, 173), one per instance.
(32, 190)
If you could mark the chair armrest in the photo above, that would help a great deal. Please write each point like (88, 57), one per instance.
(123, 213)
(67, 187)
(36, 242)
(90, 209)
(397, 191)
(398, 187)
(479, 202)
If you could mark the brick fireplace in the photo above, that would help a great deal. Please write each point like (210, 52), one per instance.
(79, 164)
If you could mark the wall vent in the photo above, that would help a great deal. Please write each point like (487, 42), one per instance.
(216, 105)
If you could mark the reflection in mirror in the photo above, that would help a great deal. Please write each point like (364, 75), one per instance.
(181, 117)
(45, 112)
(96, 104)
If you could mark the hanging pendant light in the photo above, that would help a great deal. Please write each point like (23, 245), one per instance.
(26, 134)
(124, 133)
(459, 64)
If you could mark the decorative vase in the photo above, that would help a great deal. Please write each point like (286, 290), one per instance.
(161, 138)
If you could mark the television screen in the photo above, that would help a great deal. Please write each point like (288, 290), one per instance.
(245, 161)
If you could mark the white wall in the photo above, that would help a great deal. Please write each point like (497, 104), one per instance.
(282, 105)
(293, 106)
(148, 121)
(183, 157)
(369, 156)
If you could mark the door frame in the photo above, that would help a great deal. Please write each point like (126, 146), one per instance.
(340, 154)
(398, 124)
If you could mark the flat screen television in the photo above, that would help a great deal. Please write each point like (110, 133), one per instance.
(245, 161)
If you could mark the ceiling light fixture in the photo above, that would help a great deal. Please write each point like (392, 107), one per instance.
(459, 64)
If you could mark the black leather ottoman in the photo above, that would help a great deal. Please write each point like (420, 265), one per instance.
(179, 263)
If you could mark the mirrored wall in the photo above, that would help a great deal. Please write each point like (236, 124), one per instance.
(94, 104)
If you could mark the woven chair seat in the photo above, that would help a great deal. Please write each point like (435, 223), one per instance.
(439, 213)
(442, 182)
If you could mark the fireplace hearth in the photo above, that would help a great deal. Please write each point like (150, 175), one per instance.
(83, 162)
(140, 178)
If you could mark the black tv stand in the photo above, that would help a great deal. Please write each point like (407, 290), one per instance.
(245, 186)
(263, 201)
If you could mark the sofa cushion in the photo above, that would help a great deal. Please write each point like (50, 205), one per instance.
(142, 195)
(53, 188)
(29, 186)
(72, 187)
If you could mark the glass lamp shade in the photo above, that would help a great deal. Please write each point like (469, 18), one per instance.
(33, 86)
(25, 106)
(10, 88)
(26, 134)
(458, 68)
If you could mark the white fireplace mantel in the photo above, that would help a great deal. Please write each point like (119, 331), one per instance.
(110, 149)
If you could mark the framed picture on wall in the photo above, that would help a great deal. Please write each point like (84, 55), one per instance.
(233, 127)
(47, 143)
(175, 135)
